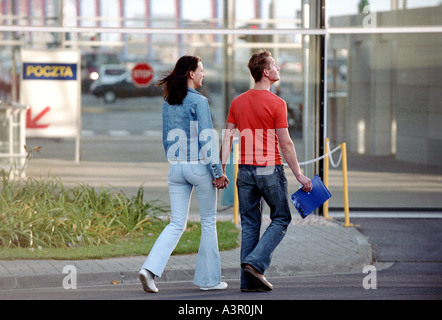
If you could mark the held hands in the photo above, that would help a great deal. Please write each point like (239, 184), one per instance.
(221, 182)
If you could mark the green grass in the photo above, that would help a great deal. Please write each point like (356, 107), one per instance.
(189, 243)
(41, 219)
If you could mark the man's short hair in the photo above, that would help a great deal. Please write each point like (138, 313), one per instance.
(257, 63)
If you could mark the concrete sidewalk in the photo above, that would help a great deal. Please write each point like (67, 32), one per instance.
(311, 246)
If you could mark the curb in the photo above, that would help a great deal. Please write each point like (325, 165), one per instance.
(354, 264)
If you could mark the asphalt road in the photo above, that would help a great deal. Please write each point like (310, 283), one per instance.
(407, 266)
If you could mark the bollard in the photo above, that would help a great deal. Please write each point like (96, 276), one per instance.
(326, 167)
(344, 176)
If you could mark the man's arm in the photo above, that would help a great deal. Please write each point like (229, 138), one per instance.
(226, 146)
(289, 153)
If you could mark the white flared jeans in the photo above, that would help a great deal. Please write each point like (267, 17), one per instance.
(182, 179)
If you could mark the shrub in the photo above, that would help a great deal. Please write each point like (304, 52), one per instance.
(43, 213)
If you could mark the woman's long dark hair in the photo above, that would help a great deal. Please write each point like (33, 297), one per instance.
(175, 84)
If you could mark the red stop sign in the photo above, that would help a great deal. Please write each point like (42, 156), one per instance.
(142, 75)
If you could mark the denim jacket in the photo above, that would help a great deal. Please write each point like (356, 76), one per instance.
(188, 134)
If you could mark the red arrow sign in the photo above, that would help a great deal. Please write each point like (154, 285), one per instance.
(32, 123)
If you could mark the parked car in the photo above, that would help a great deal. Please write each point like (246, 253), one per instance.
(108, 73)
(123, 87)
(90, 63)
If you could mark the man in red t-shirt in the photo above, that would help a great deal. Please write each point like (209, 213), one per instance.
(257, 114)
(261, 118)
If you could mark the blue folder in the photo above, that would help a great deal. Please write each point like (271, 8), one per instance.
(307, 202)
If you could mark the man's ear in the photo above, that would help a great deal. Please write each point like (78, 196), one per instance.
(265, 72)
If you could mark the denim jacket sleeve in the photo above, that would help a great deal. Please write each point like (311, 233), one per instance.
(208, 137)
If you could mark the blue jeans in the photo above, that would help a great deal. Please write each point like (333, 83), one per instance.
(254, 183)
(182, 179)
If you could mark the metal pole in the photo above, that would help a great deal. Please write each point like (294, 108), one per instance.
(61, 36)
(306, 79)
(229, 41)
(322, 87)
(15, 50)
(326, 167)
(345, 185)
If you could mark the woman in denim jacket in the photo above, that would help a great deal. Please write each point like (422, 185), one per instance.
(190, 145)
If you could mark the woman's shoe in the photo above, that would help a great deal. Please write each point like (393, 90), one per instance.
(146, 279)
(219, 286)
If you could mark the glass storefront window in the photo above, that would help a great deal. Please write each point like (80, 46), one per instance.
(384, 100)
(382, 89)
(379, 13)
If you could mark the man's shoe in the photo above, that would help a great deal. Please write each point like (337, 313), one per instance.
(259, 280)
(146, 279)
(220, 286)
(253, 290)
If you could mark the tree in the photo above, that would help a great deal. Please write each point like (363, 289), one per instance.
(362, 4)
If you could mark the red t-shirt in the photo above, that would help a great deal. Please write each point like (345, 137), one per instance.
(256, 114)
